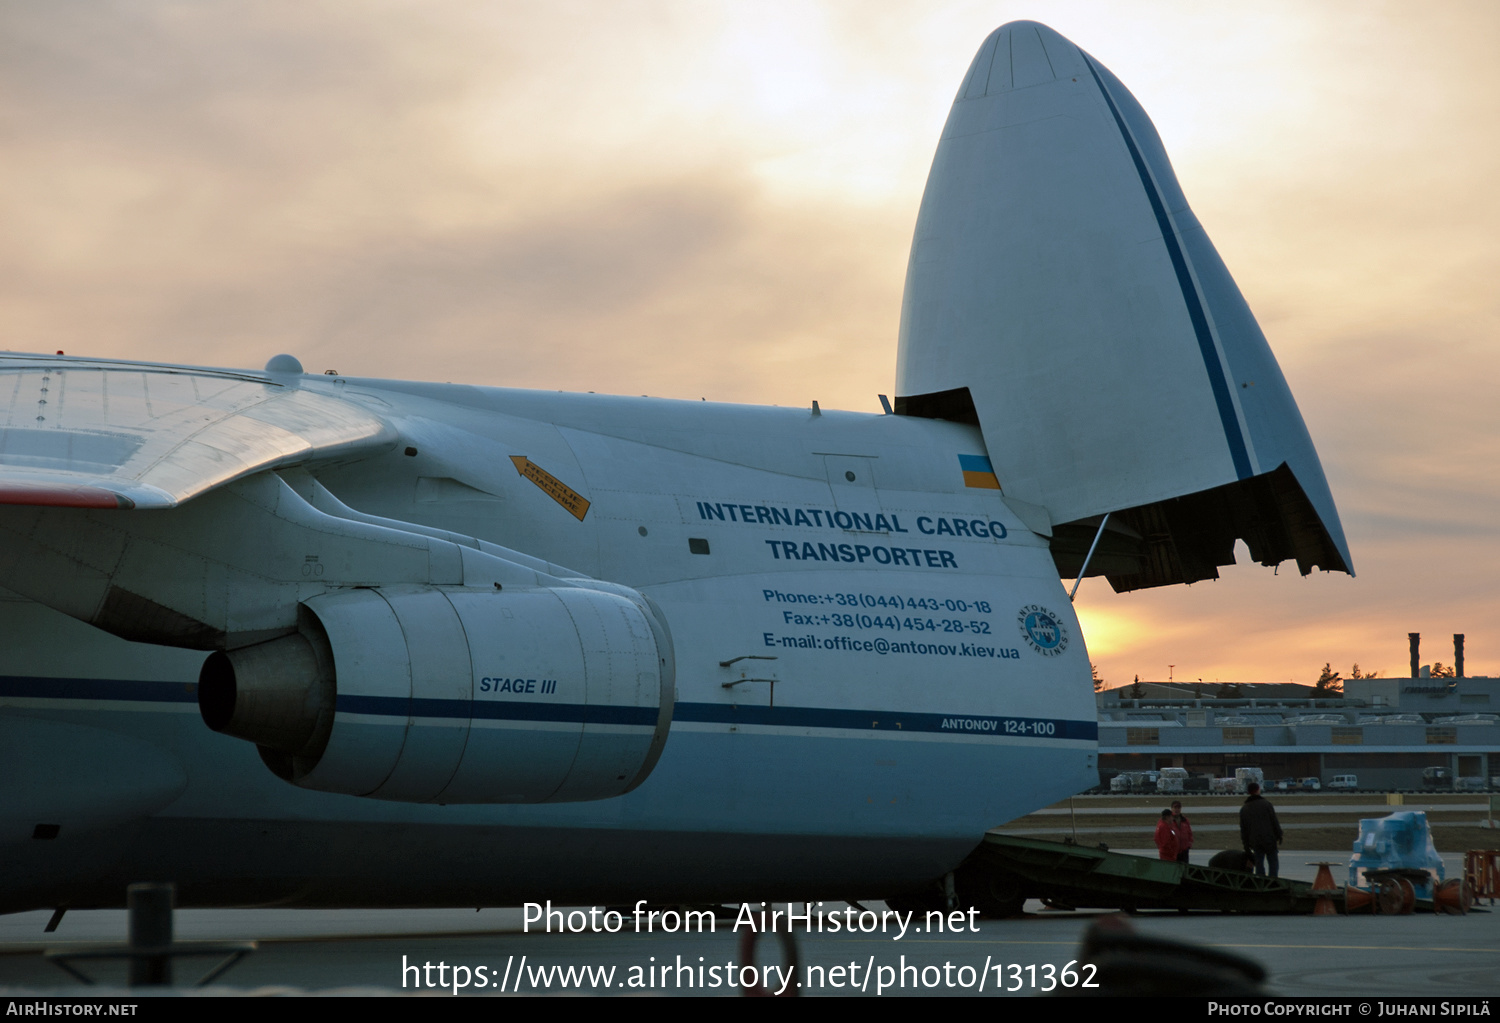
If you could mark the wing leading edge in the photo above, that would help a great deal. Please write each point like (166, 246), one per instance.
(77, 433)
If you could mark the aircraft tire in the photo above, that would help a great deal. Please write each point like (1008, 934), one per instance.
(995, 894)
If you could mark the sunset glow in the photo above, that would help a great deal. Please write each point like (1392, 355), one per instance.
(716, 200)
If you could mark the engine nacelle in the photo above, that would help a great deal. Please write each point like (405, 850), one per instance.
(452, 695)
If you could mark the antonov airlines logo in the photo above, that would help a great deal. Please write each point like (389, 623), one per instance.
(1042, 630)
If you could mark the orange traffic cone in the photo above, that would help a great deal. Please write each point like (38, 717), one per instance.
(1453, 897)
(1325, 891)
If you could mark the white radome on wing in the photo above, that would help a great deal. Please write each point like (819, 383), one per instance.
(284, 363)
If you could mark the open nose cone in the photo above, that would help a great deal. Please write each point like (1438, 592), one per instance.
(1019, 55)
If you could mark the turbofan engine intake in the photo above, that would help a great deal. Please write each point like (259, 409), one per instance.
(452, 695)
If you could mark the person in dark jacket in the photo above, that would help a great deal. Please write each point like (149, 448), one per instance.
(1232, 859)
(1260, 831)
(1184, 831)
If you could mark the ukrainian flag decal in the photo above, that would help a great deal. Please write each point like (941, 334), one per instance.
(978, 472)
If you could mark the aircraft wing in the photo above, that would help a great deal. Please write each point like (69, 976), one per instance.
(83, 433)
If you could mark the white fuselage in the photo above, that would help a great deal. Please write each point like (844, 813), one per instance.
(875, 663)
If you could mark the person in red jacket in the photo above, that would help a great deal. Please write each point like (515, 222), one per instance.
(1184, 831)
(1166, 837)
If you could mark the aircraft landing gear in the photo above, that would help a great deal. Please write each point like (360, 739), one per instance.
(994, 894)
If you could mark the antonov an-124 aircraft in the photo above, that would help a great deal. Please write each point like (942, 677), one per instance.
(316, 640)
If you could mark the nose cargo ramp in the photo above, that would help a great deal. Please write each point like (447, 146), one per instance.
(1062, 296)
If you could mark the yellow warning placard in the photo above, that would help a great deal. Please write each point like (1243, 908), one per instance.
(553, 487)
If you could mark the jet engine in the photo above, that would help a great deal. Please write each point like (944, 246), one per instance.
(455, 695)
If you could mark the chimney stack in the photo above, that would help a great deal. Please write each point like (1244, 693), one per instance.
(1416, 641)
(1458, 654)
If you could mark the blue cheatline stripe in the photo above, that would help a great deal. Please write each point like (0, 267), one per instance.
(98, 689)
(1232, 434)
(887, 721)
(711, 713)
(975, 463)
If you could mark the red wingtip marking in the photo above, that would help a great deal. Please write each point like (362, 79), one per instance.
(52, 495)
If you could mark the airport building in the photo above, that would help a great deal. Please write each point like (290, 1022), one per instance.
(1380, 733)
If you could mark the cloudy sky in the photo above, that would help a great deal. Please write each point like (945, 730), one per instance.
(716, 200)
